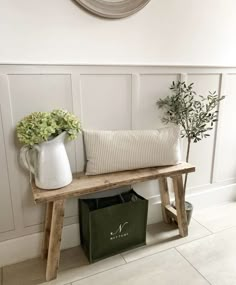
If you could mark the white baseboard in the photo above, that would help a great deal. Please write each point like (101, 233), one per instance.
(209, 198)
(27, 247)
(205, 198)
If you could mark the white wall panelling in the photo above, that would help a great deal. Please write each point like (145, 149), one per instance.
(39, 92)
(106, 97)
(216, 158)
(152, 87)
(76, 105)
(106, 101)
(7, 144)
(226, 164)
(202, 153)
(6, 217)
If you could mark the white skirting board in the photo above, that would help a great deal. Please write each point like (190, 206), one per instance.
(27, 247)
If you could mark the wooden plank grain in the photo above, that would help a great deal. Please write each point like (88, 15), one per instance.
(171, 212)
(180, 205)
(55, 239)
(47, 230)
(165, 198)
(82, 184)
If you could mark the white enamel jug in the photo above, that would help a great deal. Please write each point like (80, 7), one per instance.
(48, 162)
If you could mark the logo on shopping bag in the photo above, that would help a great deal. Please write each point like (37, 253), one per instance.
(119, 233)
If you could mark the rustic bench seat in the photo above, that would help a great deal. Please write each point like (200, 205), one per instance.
(82, 185)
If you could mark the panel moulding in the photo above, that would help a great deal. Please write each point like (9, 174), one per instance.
(76, 72)
(218, 133)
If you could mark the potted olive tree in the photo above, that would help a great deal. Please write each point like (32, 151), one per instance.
(194, 113)
(44, 154)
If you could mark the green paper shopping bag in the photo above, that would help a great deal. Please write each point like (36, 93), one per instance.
(112, 224)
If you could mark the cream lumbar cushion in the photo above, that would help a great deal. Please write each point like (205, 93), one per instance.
(111, 151)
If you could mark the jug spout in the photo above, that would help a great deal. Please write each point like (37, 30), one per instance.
(58, 139)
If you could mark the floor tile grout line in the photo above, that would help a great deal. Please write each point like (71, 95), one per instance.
(121, 265)
(223, 230)
(126, 262)
(172, 247)
(214, 232)
(146, 256)
(123, 258)
(203, 225)
(98, 273)
(163, 250)
(193, 266)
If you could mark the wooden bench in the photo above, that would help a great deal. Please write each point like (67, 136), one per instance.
(83, 184)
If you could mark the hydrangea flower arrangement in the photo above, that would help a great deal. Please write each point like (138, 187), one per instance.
(43, 126)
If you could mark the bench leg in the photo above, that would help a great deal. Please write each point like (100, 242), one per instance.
(47, 230)
(165, 199)
(55, 239)
(180, 205)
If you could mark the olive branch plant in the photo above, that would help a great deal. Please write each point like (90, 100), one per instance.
(195, 114)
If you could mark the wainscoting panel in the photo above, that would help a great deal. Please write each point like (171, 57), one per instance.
(107, 97)
(202, 153)
(226, 170)
(39, 92)
(106, 101)
(152, 88)
(6, 216)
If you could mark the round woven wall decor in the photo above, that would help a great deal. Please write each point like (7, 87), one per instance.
(113, 8)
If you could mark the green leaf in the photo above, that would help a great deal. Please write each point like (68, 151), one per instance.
(196, 114)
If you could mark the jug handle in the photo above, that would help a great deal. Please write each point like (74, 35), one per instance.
(25, 158)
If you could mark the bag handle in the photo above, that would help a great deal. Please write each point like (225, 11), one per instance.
(121, 198)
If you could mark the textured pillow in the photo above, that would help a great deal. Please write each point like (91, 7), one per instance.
(111, 151)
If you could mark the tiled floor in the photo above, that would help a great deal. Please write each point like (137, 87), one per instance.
(206, 256)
